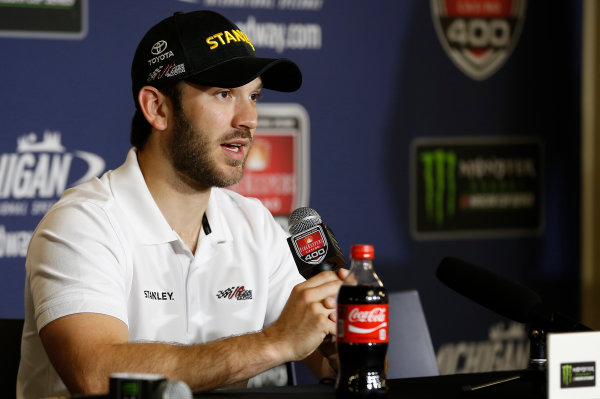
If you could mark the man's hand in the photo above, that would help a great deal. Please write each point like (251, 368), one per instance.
(309, 316)
(328, 349)
(86, 348)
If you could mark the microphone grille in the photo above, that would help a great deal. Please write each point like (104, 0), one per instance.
(303, 219)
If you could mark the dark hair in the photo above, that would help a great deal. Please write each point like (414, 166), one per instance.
(140, 128)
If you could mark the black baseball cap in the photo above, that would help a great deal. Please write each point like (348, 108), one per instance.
(206, 48)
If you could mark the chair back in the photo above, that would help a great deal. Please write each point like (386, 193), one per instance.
(10, 354)
(410, 351)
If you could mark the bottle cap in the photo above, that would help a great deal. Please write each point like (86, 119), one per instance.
(362, 251)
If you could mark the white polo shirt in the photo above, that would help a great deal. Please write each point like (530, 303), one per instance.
(105, 247)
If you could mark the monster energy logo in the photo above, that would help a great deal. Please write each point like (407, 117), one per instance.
(575, 375)
(462, 188)
(439, 177)
(567, 375)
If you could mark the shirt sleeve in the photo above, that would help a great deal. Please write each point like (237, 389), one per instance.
(75, 264)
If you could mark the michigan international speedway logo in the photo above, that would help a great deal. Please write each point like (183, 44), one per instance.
(31, 181)
(478, 35)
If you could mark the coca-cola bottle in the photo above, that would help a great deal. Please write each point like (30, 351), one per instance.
(362, 329)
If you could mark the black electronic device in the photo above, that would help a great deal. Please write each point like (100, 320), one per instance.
(142, 386)
(508, 298)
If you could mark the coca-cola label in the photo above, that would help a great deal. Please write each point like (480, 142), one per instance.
(363, 323)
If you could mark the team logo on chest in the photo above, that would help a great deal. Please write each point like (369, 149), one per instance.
(478, 35)
(236, 293)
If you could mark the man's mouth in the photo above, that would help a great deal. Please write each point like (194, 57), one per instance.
(237, 144)
(233, 147)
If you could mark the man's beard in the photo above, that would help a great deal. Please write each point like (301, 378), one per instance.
(190, 153)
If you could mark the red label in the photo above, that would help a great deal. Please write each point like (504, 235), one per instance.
(310, 243)
(363, 323)
(480, 8)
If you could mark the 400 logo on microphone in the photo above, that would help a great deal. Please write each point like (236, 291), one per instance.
(312, 243)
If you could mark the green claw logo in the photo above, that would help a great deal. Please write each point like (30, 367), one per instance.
(567, 374)
(439, 177)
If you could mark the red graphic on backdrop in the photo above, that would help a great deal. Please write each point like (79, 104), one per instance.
(478, 35)
(270, 175)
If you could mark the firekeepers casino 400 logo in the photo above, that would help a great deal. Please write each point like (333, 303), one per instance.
(478, 35)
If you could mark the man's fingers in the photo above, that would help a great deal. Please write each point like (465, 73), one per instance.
(324, 288)
(331, 328)
(342, 273)
(330, 302)
(321, 278)
(333, 316)
(321, 292)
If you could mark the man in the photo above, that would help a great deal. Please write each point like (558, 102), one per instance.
(154, 268)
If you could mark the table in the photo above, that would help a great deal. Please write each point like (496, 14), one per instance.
(519, 384)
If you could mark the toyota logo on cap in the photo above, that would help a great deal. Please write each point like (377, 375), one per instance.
(159, 47)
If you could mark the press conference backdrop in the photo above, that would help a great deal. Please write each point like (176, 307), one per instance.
(427, 128)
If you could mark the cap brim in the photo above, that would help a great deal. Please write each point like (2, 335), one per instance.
(276, 74)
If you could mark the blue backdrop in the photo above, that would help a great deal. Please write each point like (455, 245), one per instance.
(376, 77)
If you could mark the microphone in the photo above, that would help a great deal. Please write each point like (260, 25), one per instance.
(510, 299)
(312, 243)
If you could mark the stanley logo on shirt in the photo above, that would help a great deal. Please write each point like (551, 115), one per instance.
(159, 296)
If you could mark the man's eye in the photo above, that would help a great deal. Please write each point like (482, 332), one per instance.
(255, 96)
(223, 94)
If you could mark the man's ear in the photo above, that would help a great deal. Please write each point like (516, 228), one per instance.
(154, 106)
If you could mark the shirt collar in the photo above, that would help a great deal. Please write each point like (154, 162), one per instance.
(220, 230)
(134, 198)
(132, 195)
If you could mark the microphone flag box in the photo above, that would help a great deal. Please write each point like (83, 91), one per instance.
(573, 359)
(314, 247)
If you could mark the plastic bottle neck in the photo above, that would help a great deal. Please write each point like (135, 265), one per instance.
(361, 264)
(362, 273)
